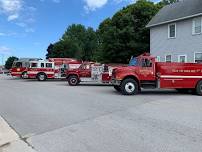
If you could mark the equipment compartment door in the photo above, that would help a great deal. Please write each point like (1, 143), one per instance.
(85, 71)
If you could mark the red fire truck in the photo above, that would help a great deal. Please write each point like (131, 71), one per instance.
(151, 74)
(89, 72)
(20, 67)
(53, 68)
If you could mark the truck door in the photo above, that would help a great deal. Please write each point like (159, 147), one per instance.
(147, 69)
(85, 71)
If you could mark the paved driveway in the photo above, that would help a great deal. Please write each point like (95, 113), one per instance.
(55, 117)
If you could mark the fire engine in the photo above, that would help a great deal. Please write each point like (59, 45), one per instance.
(20, 67)
(89, 72)
(148, 73)
(53, 68)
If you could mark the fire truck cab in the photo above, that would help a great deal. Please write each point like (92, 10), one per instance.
(148, 73)
(89, 72)
(51, 69)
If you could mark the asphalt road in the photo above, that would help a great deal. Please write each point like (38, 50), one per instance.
(54, 117)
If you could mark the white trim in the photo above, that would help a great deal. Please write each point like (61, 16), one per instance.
(195, 56)
(168, 55)
(193, 26)
(16, 72)
(169, 31)
(170, 21)
(179, 76)
(182, 56)
(36, 72)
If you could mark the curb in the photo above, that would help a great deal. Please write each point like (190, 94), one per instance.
(7, 134)
(10, 141)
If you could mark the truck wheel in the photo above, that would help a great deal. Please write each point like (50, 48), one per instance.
(117, 88)
(129, 87)
(41, 77)
(199, 88)
(24, 75)
(73, 80)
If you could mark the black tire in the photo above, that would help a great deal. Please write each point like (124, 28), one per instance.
(117, 88)
(199, 88)
(41, 77)
(73, 80)
(24, 75)
(129, 87)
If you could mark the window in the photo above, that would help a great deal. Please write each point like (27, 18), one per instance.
(198, 57)
(182, 58)
(146, 63)
(172, 31)
(49, 65)
(34, 65)
(42, 65)
(158, 59)
(168, 58)
(18, 64)
(27, 64)
(197, 28)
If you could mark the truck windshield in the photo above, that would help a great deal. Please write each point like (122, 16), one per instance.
(17, 64)
(133, 61)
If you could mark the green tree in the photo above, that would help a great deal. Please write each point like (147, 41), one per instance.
(77, 42)
(9, 62)
(125, 34)
(50, 51)
(167, 2)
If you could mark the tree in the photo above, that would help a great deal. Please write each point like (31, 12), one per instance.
(167, 2)
(49, 50)
(117, 38)
(9, 62)
(77, 42)
(125, 34)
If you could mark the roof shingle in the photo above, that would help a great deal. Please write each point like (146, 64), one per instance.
(177, 11)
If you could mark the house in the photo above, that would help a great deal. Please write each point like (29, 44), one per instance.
(176, 32)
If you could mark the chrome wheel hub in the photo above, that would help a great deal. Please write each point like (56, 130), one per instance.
(73, 81)
(130, 87)
(42, 77)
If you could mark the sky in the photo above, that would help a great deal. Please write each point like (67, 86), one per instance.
(27, 27)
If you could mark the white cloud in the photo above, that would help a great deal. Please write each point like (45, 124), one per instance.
(92, 5)
(19, 12)
(5, 50)
(11, 8)
(29, 30)
(120, 1)
(7, 34)
(21, 24)
(56, 1)
(13, 17)
(2, 34)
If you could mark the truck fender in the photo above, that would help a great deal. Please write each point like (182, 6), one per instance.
(41, 73)
(70, 74)
(198, 82)
(132, 76)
